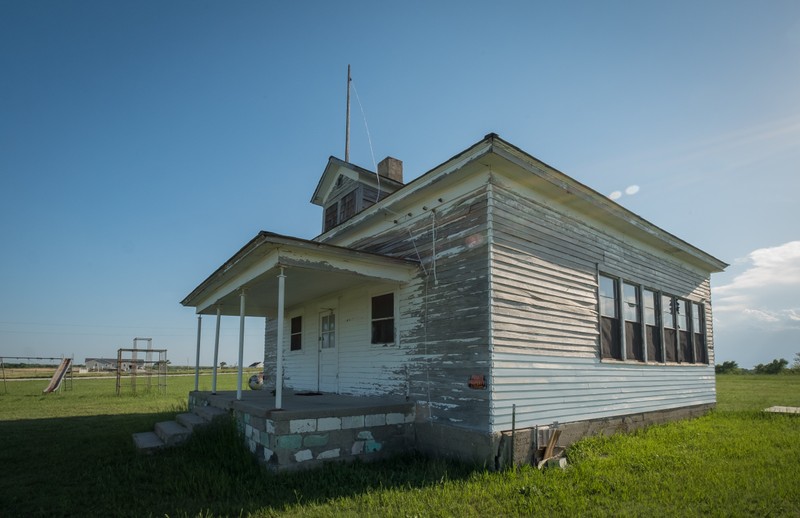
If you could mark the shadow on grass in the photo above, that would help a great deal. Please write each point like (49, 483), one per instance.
(88, 466)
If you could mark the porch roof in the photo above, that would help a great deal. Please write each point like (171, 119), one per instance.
(312, 270)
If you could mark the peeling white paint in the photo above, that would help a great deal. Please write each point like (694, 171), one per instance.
(329, 454)
(303, 455)
(302, 425)
(443, 406)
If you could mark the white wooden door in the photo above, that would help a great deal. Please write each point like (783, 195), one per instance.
(328, 365)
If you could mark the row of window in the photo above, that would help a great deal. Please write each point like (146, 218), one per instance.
(382, 325)
(641, 324)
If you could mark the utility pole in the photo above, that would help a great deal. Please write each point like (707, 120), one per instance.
(347, 129)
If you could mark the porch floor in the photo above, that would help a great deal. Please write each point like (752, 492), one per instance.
(311, 429)
(261, 403)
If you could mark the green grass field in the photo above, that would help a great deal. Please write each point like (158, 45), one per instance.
(71, 454)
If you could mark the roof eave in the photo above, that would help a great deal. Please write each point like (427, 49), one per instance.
(589, 195)
(264, 238)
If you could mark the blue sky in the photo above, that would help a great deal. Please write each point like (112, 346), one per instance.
(143, 143)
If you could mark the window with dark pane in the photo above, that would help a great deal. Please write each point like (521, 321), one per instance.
(652, 330)
(296, 334)
(685, 354)
(670, 335)
(383, 319)
(699, 333)
(610, 346)
(331, 214)
(631, 307)
(347, 207)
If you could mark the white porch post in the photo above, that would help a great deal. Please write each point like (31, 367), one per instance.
(216, 353)
(279, 362)
(197, 360)
(266, 337)
(241, 345)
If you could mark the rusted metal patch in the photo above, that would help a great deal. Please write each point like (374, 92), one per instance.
(477, 381)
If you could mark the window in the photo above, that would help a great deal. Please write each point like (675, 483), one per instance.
(633, 323)
(630, 297)
(610, 346)
(347, 206)
(331, 213)
(652, 330)
(383, 319)
(327, 332)
(608, 297)
(668, 317)
(296, 334)
(638, 323)
(685, 354)
(698, 333)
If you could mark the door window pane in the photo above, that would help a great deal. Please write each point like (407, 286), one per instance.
(328, 331)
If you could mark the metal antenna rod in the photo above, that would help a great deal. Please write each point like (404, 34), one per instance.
(347, 129)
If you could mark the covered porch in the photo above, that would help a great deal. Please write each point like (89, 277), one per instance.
(272, 273)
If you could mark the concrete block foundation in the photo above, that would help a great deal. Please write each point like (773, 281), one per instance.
(368, 430)
(314, 433)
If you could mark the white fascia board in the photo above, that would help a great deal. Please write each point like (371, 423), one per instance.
(313, 256)
(360, 266)
(237, 280)
(618, 215)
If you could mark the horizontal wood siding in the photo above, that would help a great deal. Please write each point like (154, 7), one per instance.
(300, 367)
(444, 313)
(364, 368)
(545, 320)
(553, 388)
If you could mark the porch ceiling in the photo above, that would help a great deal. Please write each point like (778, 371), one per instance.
(261, 294)
(313, 270)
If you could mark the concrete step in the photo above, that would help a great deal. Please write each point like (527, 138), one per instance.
(171, 432)
(209, 413)
(147, 442)
(190, 420)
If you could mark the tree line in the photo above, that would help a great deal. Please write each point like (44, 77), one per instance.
(776, 366)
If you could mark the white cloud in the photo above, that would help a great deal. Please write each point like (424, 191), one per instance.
(757, 315)
(629, 190)
(766, 292)
(761, 315)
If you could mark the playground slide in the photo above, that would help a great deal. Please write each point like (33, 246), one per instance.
(58, 377)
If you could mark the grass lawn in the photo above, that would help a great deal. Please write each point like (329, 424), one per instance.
(71, 454)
